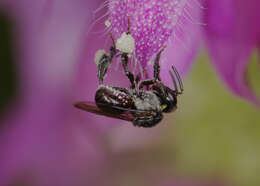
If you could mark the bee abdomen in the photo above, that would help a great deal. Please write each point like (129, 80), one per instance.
(113, 96)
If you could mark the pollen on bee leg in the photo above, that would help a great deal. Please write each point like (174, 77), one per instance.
(149, 63)
(126, 43)
(99, 54)
(107, 23)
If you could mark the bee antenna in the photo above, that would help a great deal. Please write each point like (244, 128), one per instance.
(179, 80)
(174, 82)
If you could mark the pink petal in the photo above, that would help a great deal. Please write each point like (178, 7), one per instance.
(43, 142)
(231, 36)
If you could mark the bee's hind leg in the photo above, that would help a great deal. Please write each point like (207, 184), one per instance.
(105, 60)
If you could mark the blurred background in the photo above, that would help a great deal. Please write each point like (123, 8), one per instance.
(212, 139)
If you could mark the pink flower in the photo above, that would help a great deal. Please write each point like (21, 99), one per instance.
(45, 141)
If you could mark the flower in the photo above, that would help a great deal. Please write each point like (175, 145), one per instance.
(45, 141)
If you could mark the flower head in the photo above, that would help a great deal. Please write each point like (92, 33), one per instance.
(151, 23)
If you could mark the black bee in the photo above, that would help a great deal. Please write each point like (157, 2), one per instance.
(143, 103)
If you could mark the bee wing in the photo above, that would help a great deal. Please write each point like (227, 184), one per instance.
(92, 107)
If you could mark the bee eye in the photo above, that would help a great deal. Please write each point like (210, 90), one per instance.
(164, 107)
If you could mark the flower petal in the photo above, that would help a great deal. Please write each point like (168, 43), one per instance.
(43, 142)
(231, 37)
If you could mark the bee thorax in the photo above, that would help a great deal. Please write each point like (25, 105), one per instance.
(147, 101)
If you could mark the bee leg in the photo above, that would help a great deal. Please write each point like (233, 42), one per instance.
(105, 61)
(176, 89)
(128, 25)
(137, 78)
(130, 75)
(146, 75)
(156, 71)
(113, 47)
(103, 65)
(146, 83)
(156, 65)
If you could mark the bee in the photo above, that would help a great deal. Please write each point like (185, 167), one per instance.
(144, 102)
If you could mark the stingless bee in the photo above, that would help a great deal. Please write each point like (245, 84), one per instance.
(144, 102)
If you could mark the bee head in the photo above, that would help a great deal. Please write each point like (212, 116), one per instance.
(167, 96)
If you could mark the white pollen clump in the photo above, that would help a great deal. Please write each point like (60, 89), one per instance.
(126, 43)
(107, 23)
(99, 54)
